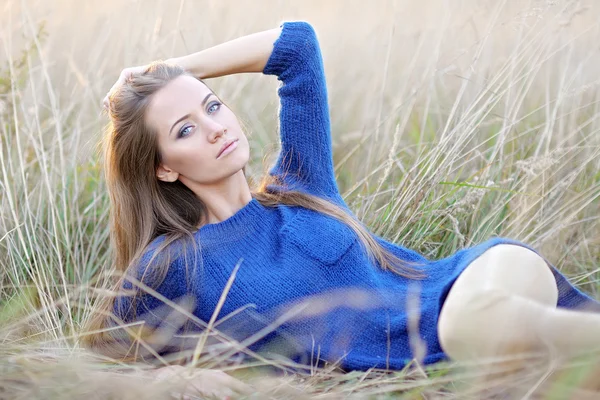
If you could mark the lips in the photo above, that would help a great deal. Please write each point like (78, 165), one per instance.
(225, 146)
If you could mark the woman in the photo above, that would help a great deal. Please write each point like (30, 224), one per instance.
(303, 278)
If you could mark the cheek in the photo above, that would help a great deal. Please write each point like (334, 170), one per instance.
(188, 157)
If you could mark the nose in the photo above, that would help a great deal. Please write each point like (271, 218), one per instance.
(216, 130)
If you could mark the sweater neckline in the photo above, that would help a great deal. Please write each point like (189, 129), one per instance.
(241, 221)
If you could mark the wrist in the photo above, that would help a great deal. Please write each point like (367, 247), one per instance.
(180, 61)
(173, 60)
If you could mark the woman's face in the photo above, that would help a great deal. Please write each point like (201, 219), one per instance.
(190, 122)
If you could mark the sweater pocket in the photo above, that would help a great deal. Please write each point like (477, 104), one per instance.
(319, 236)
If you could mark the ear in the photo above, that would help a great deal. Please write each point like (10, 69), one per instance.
(166, 174)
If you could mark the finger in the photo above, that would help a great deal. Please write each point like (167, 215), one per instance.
(212, 389)
(236, 385)
(221, 382)
(241, 387)
(126, 74)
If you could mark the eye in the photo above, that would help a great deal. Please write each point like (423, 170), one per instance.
(213, 104)
(183, 130)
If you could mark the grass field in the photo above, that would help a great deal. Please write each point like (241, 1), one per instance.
(453, 121)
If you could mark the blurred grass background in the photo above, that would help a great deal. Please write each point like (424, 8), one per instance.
(453, 121)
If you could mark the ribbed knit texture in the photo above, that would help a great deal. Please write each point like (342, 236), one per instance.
(358, 314)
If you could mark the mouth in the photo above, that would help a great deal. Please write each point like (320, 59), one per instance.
(227, 147)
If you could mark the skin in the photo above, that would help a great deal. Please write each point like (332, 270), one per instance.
(192, 157)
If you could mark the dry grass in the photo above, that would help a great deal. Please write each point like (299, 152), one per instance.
(453, 121)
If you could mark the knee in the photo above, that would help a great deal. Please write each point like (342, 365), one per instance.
(481, 314)
(467, 320)
(519, 271)
(514, 253)
(488, 323)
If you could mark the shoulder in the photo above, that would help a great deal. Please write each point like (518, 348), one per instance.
(160, 272)
(163, 260)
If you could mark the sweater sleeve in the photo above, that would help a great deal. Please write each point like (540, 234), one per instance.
(148, 306)
(305, 160)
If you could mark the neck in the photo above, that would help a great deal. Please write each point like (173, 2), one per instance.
(224, 198)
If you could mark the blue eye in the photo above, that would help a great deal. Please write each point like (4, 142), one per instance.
(214, 103)
(184, 130)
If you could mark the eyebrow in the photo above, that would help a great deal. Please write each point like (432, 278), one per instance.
(188, 115)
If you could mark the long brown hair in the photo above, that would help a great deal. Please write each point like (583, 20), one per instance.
(144, 207)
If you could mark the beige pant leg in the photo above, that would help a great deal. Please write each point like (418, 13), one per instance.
(504, 303)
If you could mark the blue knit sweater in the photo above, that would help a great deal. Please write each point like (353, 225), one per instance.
(303, 270)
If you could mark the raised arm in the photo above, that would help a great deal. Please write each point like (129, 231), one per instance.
(306, 150)
(292, 53)
(245, 54)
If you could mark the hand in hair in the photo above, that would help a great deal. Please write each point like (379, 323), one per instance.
(126, 73)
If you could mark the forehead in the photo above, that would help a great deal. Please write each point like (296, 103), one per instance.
(176, 99)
